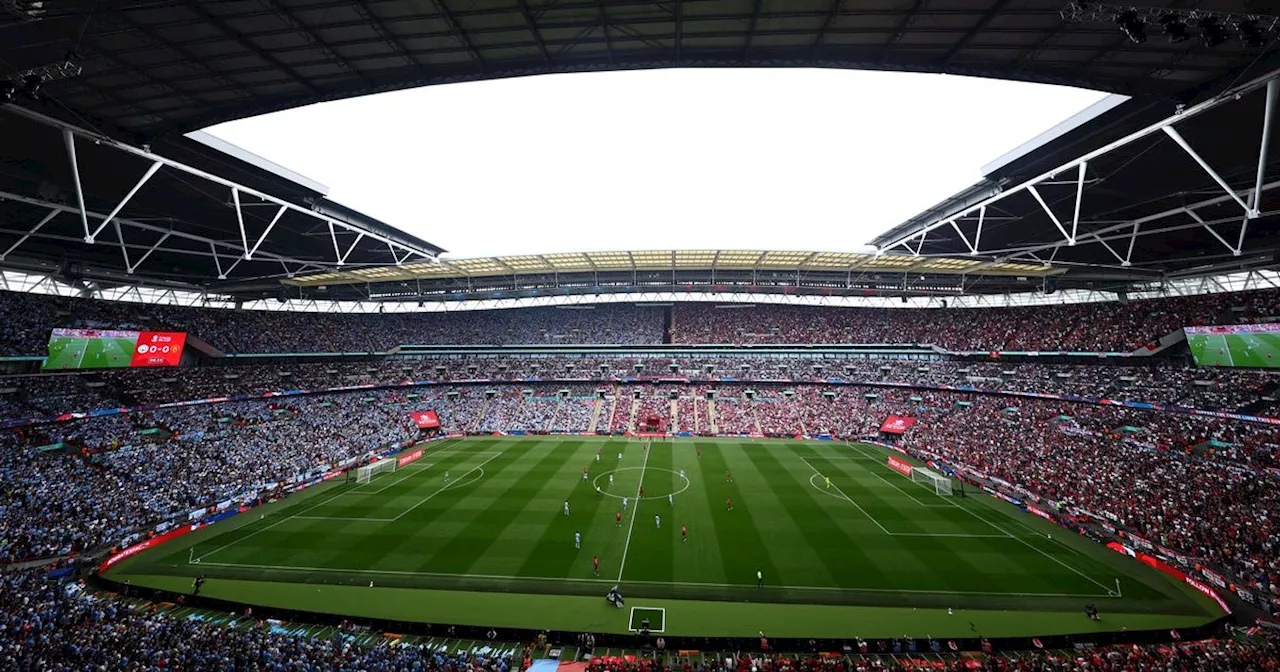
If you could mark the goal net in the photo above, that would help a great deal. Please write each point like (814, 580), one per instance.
(940, 484)
(366, 473)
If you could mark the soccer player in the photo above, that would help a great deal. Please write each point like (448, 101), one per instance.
(657, 521)
(577, 540)
(619, 519)
(595, 564)
(624, 503)
(641, 492)
(446, 475)
(584, 473)
(671, 499)
(699, 453)
(610, 479)
(619, 455)
(566, 508)
(597, 492)
(728, 503)
(728, 475)
(597, 457)
(828, 481)
(759, 579)
(684, 533)
(682, 474)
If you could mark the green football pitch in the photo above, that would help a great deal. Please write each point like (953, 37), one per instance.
(476, 533)
(1260, 350)
(68, 352)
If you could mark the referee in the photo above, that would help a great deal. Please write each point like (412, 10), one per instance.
(759, 579)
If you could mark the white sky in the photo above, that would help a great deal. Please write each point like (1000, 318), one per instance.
(719, 159)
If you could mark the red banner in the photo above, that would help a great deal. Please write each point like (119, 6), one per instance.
(142, 546)
(408, 458)
(900, 466)
(897, 424)
(425, 419)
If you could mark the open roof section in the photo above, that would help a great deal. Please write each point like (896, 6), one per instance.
(152, 69)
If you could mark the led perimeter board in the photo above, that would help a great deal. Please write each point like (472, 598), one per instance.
(71, 349)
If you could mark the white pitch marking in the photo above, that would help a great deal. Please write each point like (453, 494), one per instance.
(623, 565)
(1028, 545)
(693, 584)
(426, 499)
(849, 499)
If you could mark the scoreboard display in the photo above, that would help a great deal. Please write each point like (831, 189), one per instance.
(71, 349)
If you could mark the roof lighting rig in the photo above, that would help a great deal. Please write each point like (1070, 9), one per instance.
(1214, 29)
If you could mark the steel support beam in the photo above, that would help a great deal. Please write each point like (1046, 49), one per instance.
(1191, 112)
(70, 141)
(1056, 222)
(1177, 138)
(1075, 217)
(30, 232)
(58, 207)
(279, 213)
(155, 166)
(1181, 210)
(146, 254)
(244, 238)
(70, 130)
(1267, 115)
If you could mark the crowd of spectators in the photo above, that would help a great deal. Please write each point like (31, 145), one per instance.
(51, 624)
(1095, 327)
(1199, 486)
(1112, 326)
(29, 319)
(73, 486)
(1232, 390)
(1258, 655)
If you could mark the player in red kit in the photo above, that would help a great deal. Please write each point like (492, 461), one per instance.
(728, 475)
(728, 503)
(684, 532)
(595, 564)
(619, 519)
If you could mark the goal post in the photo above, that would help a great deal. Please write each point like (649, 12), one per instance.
(366, 473)
(938, 483)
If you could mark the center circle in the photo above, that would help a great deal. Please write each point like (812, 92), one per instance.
(596, 482)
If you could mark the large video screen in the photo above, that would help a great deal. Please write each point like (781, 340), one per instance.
(110, 349)
(1252, 345)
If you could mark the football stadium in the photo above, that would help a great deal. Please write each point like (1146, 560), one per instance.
(1031, 425)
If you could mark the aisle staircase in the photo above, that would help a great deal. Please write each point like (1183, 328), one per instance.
(755, 416)
(697, 424)
(555, 416)
(484, 410)
(674, 406)
(711, 416)
(595, 415)
(635, 409)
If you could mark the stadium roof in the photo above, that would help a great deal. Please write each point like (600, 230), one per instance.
(143, 70)
(187, 212)
(1143, 187)
(672, 260)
